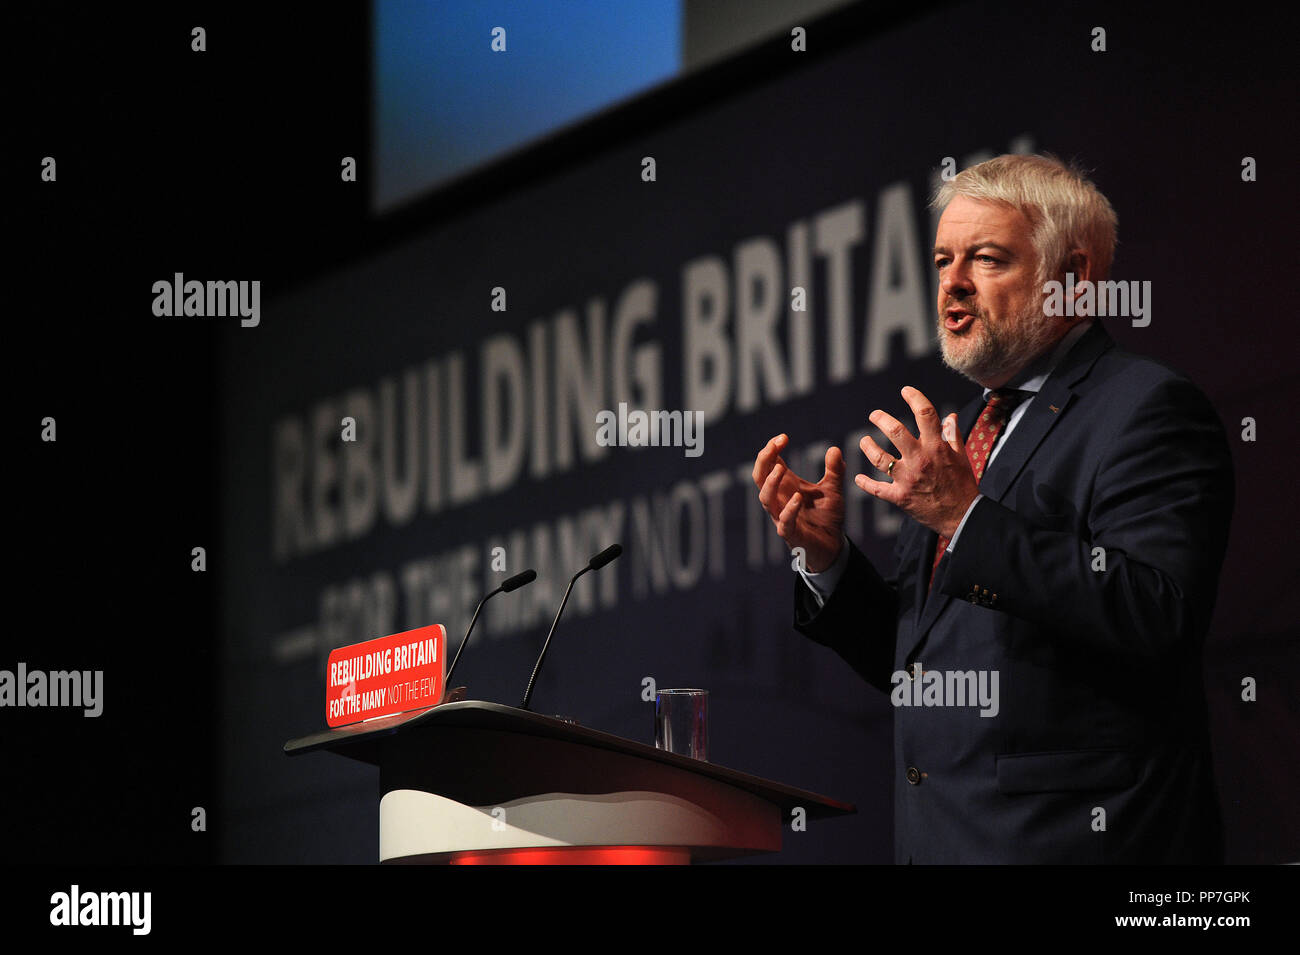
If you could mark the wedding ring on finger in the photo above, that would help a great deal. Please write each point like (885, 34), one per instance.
(889, 469)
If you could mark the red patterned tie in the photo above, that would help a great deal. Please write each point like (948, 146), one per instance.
(980, 444)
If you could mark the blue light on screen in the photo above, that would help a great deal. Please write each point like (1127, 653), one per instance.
(446, 102)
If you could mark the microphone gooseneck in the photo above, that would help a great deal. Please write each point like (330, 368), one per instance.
(512, 583)
(600, 560)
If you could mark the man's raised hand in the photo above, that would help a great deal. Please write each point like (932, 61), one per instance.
(806, 515)
(932, 478)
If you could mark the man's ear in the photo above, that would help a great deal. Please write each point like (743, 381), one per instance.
(1079, 264)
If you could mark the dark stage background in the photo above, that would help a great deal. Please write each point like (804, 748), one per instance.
(774, 169)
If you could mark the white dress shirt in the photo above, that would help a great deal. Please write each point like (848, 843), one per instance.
(1031, 380)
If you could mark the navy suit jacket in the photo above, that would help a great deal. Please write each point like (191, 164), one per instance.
(1099, 748)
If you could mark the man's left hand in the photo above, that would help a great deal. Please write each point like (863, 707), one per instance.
(932, 481)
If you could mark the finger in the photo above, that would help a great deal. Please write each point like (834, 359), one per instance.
(951, 436)
(895, 432)
(768, 496)
(766, 458)
(927, 419)
(789, 513)
(834, 466)
(881, 489)
(878, 457)
(770, 454)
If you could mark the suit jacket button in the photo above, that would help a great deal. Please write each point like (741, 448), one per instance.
(913, 775)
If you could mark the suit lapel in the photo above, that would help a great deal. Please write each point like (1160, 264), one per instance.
(1048, 407)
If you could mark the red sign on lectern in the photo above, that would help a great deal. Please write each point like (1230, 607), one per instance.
(400, 672)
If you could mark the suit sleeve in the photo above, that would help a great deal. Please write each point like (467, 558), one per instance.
(859, 620)
(1160, 508)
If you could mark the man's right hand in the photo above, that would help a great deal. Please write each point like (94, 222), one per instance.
(806, 515)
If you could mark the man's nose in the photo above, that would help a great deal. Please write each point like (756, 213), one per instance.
(956, 281)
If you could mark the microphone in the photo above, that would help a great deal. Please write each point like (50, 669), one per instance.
(610, 553)
(511, 583)
(517, 581)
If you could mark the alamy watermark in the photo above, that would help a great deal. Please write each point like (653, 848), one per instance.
(946, 688)
(1102, 299)
(79, 688)
(639, 429)
(194, 299)
(76, 907)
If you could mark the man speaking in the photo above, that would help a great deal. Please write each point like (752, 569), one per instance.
(1060, 553)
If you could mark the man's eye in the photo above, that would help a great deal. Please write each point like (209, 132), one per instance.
(940, 263)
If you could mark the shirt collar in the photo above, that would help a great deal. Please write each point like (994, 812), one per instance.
(1034, 375)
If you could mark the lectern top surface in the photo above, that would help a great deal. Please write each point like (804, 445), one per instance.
(368, 741)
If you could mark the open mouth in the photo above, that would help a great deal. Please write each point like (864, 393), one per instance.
(958, 321)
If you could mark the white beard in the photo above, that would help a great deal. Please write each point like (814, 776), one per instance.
(1000, 351)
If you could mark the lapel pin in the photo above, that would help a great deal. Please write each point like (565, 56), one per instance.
(1054, 408)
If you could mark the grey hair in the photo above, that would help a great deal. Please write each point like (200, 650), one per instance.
(1064, 207)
